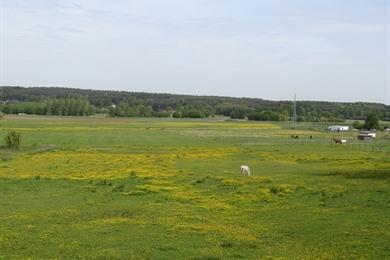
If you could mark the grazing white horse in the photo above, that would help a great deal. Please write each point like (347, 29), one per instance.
(245, 170)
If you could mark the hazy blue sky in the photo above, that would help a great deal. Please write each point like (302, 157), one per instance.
(334, 50)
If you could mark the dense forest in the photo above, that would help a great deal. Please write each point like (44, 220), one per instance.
(58, 107)
(79, 102)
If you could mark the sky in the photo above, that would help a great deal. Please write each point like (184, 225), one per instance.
(331, 50)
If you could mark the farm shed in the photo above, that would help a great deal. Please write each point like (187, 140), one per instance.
(338, 128)
(365, 137)
(371, 133)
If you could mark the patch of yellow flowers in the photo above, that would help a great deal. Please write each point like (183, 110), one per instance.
(105, 164)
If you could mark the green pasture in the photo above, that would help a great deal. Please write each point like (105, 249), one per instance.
(131, 188)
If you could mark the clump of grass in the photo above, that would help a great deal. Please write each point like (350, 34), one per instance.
(135, 193)
(364, 174)
(275, 190)
(332, 194)
(133, 173)
(200, 180)
(265, 180)
(13, 140)
(209, 257)
(300, 188)
(227, 244)
(5, 158)
(279, 189)
(167, 248)
(119, 188)
(116, 213)
(104, 182)
(89, 201)
(139, 191)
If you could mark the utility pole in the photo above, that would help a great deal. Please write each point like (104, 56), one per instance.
(295, 112)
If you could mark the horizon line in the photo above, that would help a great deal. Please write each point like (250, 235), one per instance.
(197, 95)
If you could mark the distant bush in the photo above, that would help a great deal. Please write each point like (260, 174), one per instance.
(12, 140)
(239, 113)
(357, 125)
(265, 116)
(164, 114)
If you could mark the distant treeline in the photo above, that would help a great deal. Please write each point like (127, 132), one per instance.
(138, 104)
(57, 107)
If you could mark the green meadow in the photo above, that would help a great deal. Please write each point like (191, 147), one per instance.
(131, 188)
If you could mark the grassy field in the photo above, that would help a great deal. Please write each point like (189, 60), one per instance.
(164, 188)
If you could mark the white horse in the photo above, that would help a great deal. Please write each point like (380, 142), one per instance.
(245, 170)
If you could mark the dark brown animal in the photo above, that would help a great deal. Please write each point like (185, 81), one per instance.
(336, 141)
(339, 141)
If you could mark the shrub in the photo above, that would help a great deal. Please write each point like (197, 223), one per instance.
(357, 125)
(12, 140)
(275, 190)
(177, 114)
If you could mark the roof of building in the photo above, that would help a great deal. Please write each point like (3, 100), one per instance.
(364, 135)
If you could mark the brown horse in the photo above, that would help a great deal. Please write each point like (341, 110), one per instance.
(294, 136)
(336, 141)
(339, 141)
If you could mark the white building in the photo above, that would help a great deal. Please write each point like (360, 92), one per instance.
(338, 128)
(370, 133)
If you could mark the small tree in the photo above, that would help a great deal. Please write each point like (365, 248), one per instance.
(371, 122)
(12, 140)
(357, 125)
